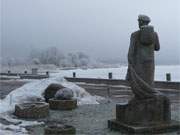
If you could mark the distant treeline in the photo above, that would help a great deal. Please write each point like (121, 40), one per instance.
(52, 55)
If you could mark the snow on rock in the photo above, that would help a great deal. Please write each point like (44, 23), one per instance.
(80, 94)
(34, 90)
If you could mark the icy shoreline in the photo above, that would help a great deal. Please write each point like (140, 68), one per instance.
(120, 72)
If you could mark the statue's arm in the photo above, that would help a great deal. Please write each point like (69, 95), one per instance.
(157, 45)
(131, 50)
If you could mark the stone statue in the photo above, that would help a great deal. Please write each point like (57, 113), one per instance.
(140, 73)
(149, 110)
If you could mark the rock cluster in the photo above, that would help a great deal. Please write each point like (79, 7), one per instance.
(51, 90)
(64, 94)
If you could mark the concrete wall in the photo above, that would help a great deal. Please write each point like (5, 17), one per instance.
(158, 84)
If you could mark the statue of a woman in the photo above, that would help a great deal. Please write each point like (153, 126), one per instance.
(141, 59)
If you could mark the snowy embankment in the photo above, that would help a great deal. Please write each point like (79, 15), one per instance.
(31, 92)
(34, 90)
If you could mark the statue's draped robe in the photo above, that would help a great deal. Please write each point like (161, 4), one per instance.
(141, 65)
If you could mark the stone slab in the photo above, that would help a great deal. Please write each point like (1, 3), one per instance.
(55, 104)
(32, 110)
(172, 126)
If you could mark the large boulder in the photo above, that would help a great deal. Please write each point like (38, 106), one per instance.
(64, 94)
(51, 90)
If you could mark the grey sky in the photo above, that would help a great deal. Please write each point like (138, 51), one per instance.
(100, 28)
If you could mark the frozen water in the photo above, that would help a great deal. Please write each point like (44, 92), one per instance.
(120, 72)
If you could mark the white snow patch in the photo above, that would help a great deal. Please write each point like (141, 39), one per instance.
(17, 126)
(12, 130)
(34, 90)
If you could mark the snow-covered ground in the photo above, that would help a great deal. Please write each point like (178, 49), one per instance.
(31, 92)
(35, 88)
(120, 73)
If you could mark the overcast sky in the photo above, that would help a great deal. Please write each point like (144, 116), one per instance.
(100, 28)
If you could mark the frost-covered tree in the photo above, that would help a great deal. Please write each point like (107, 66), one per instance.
(49, 55)
(11, 61)
(83, 59)
(78, 59)
(52, 55)
(36, 61)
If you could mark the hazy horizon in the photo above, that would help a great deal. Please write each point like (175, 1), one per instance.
(101, 29)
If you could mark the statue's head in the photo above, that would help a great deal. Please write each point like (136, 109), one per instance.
(143, 20)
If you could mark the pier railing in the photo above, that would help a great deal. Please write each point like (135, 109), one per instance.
(158, 84)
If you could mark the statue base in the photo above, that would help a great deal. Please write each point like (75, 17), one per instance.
(55, 104)
(144, 116)
(151, 129)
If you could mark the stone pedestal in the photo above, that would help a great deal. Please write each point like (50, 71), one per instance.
(136, 129)
(144, 116)
(62, 104)
(59, 129)
(32, 110)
